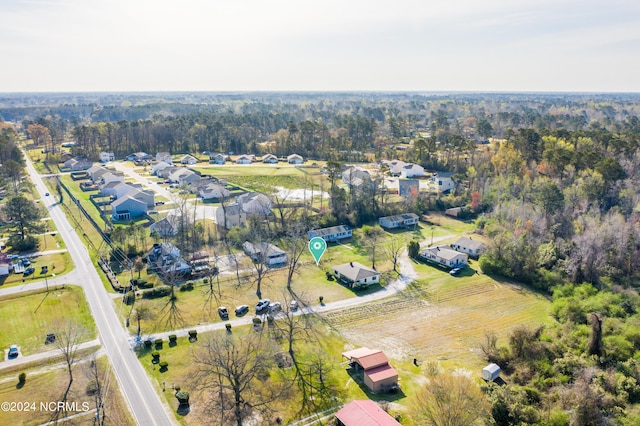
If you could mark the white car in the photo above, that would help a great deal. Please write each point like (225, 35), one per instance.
(13, 352)
(293, 305)
(262, 305)
(275, 307)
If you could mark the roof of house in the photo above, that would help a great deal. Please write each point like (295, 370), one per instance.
(444, 252)
(213, 190)
(355, 271)
(381, 372)
(126, 198)
(188, 157)
(292, 156)
(443, 174)
(365, 413)
(232, 210)
(401, 217)
(263, 249)
(469, 243)
(357, 353)
(244, 157)
(323, 232)
(255, 203)
(269, 157)
(375, 358)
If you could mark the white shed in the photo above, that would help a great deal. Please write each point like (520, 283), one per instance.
(491, 372)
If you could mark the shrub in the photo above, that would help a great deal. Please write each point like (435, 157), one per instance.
(156, 292)
(183, 397)
(156, 357)
(188, 286)
(163, 365)
(173, 340)
(257, 321)
(22, 377)
(148, 343)
(92, 387)
(129, 298)
(193, 333)
(158, 343)
(228, 327)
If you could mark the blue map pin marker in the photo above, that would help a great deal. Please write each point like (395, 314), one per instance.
(317, 247)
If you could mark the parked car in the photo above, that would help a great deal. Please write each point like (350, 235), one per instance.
(275, 307)
(293, 305)
(13, 352)
(455, 271)
(222, 311)
(30, 270)
(25, 262)
(46, 194)
(159, 203)
(262, 304)
(242, 309)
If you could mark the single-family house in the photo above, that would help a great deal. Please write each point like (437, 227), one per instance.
(139, 157)
(411, 170)
(146, 196)
(213, 192)
(230, 216)
(266, 253)
(453, 211)
(127, 208)
(364, 413)
(244, 159)
(184, 176)
(81, 165)
(96, 172)
(295, 159)
(444, 181)
(373, 363)
(164, 258)
(105, 156)
(404, 220)
(218, 158)
(445, 256)
(255, 203)
(333, 233)
(166, 172)
(468, 245)
(68, 163)
(395, 167)
(270, 159)
(110, 177)
(166, 227)
(157, 167)
(355, 274)
(164, 156)
(188, 159)
(109, 189)
(356, 176)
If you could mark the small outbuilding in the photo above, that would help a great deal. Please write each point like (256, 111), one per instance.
(491, 372)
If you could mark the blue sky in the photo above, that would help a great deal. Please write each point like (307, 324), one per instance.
(466, 45)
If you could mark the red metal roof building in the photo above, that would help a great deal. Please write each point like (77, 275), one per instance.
(364, 413)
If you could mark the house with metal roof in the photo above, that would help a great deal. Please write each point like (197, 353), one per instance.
(333, 233)
(468, 245)
(377, 373)
(364, 413)
(404, 220)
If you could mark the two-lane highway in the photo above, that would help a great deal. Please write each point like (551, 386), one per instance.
(144, 401)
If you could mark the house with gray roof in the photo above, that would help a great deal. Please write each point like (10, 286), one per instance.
(445, 256)
(127, 208)
(473, 248)
(264, 252)
(230, 216)
(333, 233)
(355, 274)
(404, 220)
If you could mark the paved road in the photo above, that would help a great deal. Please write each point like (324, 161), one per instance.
(43, 355)
(136, 386)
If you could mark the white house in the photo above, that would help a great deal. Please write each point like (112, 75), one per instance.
(164, 156)
(4, 264)
(444, 255)
(333, 233)
(395, 167)
(356, 274)
(411, 170)
(217, 158)
(160, 165)
(265, 253)
(356, 176)
(404, 220)
(467, 245)
(213, 192)
(230, 216)
(188, 159)
(127, 208)
(270, 159)
(444, 181)
(244, 159)
(255, 203)
(105, 157)
(295, 159)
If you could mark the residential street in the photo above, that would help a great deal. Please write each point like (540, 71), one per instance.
(144, 402)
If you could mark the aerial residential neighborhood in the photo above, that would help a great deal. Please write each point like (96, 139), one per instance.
(245, 260)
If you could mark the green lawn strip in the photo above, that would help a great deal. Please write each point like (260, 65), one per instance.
(58, 264)
(29, 318)
(45, 383)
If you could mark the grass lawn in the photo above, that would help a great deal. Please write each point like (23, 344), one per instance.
(58, 264)
(27, 319)
(259, 177)
(46, 383)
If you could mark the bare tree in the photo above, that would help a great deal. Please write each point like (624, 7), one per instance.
(98, 386)
(393, 251)
(295, 244)
(171, 313)
(371, 237)
(142, 312)
(69, 336)
(235, 373)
